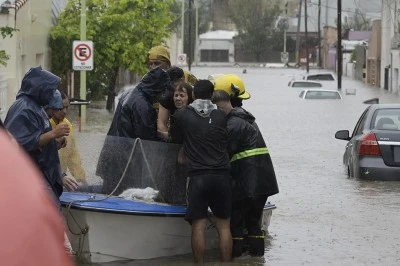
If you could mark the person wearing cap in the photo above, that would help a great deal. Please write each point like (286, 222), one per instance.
(201, 127)
(158, 56)
(28, 122)
(69, 156)
(253, 175)
(53, 110)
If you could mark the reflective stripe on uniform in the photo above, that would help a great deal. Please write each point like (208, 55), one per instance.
(248, 153)
(256, 237)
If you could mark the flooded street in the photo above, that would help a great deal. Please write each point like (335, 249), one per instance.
(322, 217)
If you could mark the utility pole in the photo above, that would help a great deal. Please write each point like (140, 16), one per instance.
(82, 91)
(298, 33)
(196, 44)
(319, 35)
(339, 45)
(306, 35)
(183, 26)
(286, 24)
(189, 57)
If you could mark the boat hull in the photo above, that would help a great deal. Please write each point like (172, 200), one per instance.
(102, 234)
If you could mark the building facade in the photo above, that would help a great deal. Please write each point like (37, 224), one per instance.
(29, 45)
(390, 44)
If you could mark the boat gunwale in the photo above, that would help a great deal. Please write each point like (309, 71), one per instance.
(138, 213)
(81, 204)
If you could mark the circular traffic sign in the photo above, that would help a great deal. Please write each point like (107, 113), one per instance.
(82, 52)
(182, 58)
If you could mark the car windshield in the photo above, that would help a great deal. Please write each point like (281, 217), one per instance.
(320, 77)
(322, 95)
(386, 119)
(305, 84)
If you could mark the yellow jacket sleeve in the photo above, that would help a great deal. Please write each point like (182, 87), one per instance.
(69, 156)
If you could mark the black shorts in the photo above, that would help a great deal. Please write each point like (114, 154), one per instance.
(212, 191)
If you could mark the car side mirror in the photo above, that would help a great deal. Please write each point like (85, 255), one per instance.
(343, 134)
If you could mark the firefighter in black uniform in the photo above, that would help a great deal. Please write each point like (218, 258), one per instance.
(253, 175)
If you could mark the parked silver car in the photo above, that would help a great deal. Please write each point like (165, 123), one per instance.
(373, 150)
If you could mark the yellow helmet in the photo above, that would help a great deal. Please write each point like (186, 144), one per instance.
(233, 85)
(189, 77)
(213, 77)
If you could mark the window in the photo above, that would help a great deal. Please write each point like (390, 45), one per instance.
(386, 119)
(304, 84)
(358, 130)
(322, 95)
(327, 76)
(214, 56)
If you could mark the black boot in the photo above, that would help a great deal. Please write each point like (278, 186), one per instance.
(256, 245)
(237, 246)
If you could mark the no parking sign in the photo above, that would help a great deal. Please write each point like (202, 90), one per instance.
(181, 59)
(82, 54)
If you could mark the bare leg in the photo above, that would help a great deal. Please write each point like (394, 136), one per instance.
(198, 241)
(225, 238)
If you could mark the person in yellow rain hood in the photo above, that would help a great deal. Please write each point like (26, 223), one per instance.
(69, 156)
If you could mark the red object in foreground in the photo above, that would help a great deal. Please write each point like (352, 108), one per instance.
(31, 228)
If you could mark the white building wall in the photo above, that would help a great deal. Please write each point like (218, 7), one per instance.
(29, 46)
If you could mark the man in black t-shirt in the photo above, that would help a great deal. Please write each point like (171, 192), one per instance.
(201, 128)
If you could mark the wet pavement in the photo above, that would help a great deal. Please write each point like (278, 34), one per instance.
(323, 217)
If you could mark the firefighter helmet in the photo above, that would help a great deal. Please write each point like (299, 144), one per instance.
(232, 84)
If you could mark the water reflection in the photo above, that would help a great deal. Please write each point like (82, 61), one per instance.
(323, 217)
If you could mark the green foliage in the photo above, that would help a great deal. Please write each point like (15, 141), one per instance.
(5, 32)
(353, 57)
(122, 32)
(255, 24)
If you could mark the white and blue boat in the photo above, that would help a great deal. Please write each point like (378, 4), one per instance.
(104, 229)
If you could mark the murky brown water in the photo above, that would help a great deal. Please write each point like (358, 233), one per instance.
(323, 218)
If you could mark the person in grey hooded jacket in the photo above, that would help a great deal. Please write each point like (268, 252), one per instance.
(201, 128)
(29, 124)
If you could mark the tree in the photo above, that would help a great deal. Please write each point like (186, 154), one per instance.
(122, 32)
(255, 25)
(5, 32)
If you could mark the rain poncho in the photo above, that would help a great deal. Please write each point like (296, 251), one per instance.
(251, 166)
(26, 120)
(134, 118)
(69, 156)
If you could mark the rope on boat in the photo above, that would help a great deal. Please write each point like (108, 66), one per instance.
(85, 230)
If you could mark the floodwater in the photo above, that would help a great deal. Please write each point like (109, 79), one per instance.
(322, 216)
